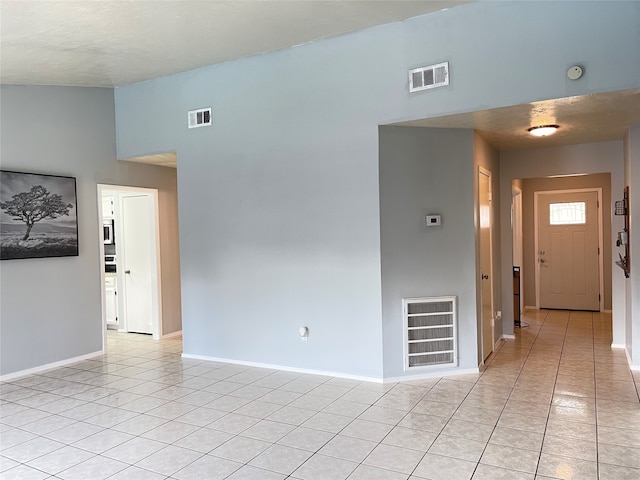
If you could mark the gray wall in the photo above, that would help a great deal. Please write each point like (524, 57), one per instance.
(592, 158)
(279, 204)
(531, 185)
(632, 284)
(51, 308)
(418, 166)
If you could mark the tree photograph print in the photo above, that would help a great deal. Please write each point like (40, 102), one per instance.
(38, 216)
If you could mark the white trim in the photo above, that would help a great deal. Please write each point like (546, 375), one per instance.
(517, 238)
(156, 275)
(508, 337)
(433, 374)
(635, 368)
(618, 345)
(536, 221)
(530, 307)
(282, 367)
(49, 366)
(171, 335)
(484, 355)
(606, 311)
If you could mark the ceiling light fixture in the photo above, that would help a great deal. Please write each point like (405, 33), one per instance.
(543, 130)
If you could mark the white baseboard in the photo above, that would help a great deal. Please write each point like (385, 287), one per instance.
(284, 368)
(433, 374)
(618, 345)
(508, 337)
(606, 311)
(49, 366)
(530, 307)
(172, 335)
(635, 368)
(406, 378)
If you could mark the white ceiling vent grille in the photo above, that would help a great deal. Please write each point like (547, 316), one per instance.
(200, 117)
(430, 332)
(429, 77)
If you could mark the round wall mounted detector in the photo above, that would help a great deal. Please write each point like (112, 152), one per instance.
(575, 72)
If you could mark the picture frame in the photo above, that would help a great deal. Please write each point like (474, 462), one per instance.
(38, 216)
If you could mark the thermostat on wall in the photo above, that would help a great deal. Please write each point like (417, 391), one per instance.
(433, 220)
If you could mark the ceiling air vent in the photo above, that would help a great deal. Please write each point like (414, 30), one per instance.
(429, 77)
(200, 117)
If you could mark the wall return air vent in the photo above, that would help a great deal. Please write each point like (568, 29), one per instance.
(432, 76)
(430, 332)
(199, 118)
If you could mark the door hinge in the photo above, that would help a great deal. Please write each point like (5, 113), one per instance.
(598, 297)
(598, 250)
(597, 203)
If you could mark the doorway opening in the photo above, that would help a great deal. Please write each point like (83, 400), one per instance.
(486, 263)
(130, 260)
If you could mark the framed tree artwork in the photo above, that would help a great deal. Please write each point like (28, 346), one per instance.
(38, 216)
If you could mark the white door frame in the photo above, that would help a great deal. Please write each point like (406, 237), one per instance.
(536, 196)
(517, 238)
(487, 173)
(156, 320)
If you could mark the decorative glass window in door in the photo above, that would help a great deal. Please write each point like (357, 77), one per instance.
(569, 213)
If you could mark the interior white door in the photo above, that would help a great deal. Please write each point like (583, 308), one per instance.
(137, 211)
(484, 192)
(568, 251)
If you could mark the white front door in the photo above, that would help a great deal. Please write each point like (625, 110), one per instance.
(568, 250)
(486, 282)
(137, 234)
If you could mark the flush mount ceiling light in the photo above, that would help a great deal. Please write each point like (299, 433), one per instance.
(543, 130)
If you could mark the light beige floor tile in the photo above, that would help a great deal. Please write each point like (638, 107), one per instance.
(617, 472)
(134, 450)
(60, 460)
(346, 408)
(394, 458)
(367, 472)
(566, 468)
(619, 436)
(456, 447)
(292, 415)
(248, 472)
(136, 473)
(387, 415)
(306, 439)
(24, 472)
(619, 455)
(327, 422)
(96, 468)
(209, 467)
(204, 440)
(240, 449)
(488, 472)
(521, 421)
(511, 458)
(367, 430)
(410, 438)
(281, 459)
(437, 467)
(570, 447)
(348, 448)
(320, 467)
(511, 437)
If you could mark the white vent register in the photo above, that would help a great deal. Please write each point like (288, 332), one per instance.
(430, 332)
(199, 118)
(432, 76)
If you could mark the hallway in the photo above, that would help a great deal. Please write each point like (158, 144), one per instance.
(555, 403)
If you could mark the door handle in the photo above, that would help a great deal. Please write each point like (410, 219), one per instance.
(127, 272)
(542, 260)
(485, 277)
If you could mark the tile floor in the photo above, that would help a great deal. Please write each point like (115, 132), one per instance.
(555, 403)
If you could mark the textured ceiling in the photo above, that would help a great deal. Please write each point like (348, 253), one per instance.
(584, 119)
(114, 43)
